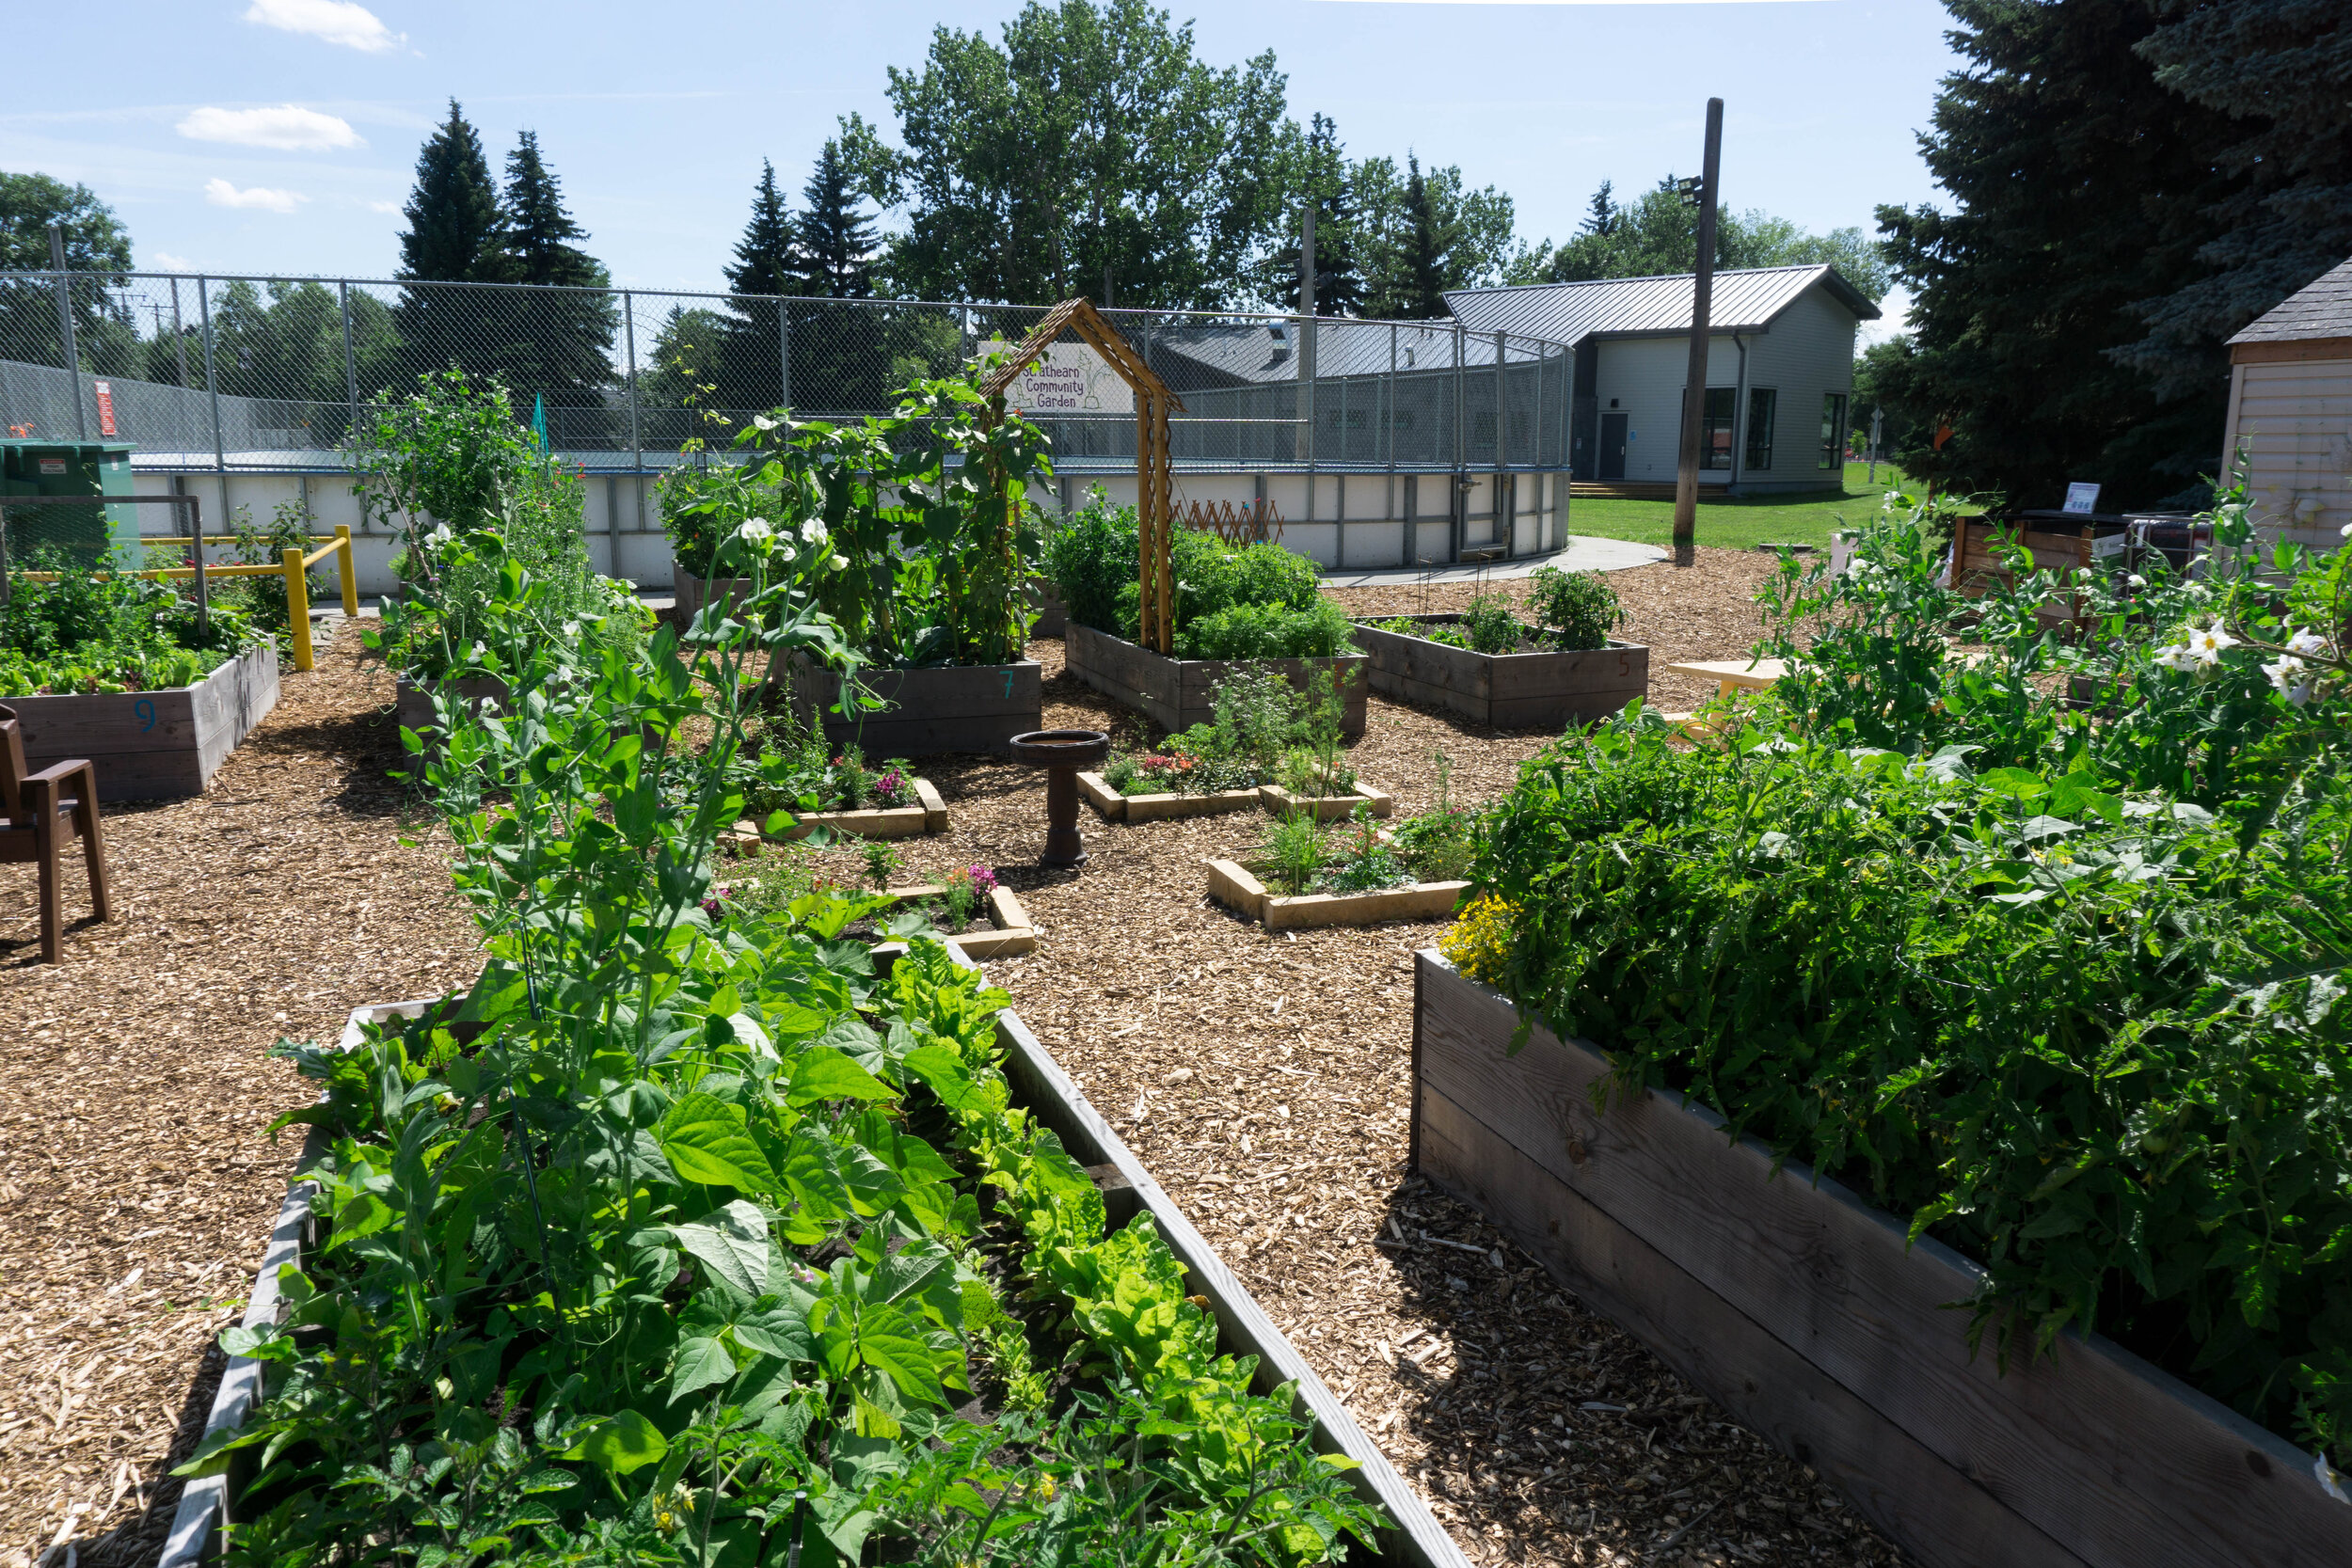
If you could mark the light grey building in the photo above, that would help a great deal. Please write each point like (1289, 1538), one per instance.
(1779, 371)
(2291, 413)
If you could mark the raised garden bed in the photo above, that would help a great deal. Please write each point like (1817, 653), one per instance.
(1799, 1308)
(1538, 687)
(1014, 933)
(1232, 885)
(927, 711)
(1111, 806)
(928, 815)
(413, 699)
(1175, 693)
(1327, 807)
(152, 745)
(689, 594)
(1038, 1085)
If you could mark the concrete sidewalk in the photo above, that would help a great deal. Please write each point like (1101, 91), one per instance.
(1579, 554)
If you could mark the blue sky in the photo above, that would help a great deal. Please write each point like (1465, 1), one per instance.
(280, 135)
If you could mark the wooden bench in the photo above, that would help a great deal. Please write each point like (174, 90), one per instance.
(36, 815)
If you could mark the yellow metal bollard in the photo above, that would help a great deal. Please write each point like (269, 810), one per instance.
(351, 573)
(298, 607)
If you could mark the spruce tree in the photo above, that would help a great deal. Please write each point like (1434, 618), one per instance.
(764, 257)
(554, 345)
(2061, 155)
(2279, 69)
(1422, 297)
(1603, 213)
(1326, 180)
(456, 234)
(455, 231)
(835, 254)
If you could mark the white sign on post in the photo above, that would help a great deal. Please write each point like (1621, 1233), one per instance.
(1068, 378)
(2082, 498)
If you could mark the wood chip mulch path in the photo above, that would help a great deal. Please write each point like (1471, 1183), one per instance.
(136, 1188)
(1262, 1077)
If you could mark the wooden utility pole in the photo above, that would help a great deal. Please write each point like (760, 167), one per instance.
(1694, 380)
(1304, 361)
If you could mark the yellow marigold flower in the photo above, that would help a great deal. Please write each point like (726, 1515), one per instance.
(1479, 942)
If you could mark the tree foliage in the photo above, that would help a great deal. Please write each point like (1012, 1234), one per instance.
(2062, 156)
(1657, 233)
(1094, 137)
(835, 244)
(1324, 183)
(763, 257)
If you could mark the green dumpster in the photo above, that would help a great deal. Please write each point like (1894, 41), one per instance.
(34, 466)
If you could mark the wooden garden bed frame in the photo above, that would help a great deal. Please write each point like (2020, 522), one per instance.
(1235, 886)
(1327, 807)
(928, 815)
(1014, 935)
(1549, 687)
(154, 745)
(1040, 1085)
(977, 707)
(1111, 806)
(1175, 693)
(1797, 1307)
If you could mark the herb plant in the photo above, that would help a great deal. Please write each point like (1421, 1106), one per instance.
(1574, 610)
(96, 629)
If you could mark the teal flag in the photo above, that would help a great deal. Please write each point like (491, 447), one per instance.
(539, 419)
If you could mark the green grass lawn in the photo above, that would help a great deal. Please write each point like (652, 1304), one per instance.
(1805, 518)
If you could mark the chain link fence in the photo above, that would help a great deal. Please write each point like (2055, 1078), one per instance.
(274, 374)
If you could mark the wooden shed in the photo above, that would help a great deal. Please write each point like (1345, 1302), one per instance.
(2291, 410)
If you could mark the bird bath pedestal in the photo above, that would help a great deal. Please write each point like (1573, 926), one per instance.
(1061, 754)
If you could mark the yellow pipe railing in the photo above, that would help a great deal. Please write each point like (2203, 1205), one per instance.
(294, 566)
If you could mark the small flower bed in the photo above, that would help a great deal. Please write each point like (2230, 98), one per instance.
(793, 771)
(95, 631)
(1299, 855)
(1573, 611)
(1263, 732)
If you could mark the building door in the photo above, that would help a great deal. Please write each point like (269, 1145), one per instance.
(1613, 445)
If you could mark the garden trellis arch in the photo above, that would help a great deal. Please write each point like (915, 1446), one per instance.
(1153, 403)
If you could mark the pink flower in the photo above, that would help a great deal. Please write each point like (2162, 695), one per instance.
(983, 880)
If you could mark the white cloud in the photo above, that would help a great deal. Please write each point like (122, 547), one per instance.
(341, 22)
(287, 128)
(169, 262)
(220, 193)
(383, 206)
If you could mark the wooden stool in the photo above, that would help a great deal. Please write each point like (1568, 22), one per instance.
(33, 809)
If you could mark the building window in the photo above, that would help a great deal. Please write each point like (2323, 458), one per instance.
(1715, 427)
(1833, 431)
(1763, 402)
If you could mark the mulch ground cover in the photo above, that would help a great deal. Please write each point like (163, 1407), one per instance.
(1264, 1077)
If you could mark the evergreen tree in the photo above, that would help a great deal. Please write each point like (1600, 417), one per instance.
(1427, 238)
(456, 234)
(2281, 71)
(557, 344)
(835, 251)
(764, 257)
(1603, 213)
(1323, 179)
(2060, 154)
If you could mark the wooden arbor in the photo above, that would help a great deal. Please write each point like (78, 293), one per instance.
(1154, 513)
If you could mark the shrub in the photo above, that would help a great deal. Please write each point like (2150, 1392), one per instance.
(1093, 560)
(1267, 631)
(97, 630)
(1491, 624)
(1576, 610)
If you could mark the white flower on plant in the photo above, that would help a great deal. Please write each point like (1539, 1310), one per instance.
(2345, 532)
(755, 531)
(812, 532)
(839, 563)
(571, 631)
(2181, 657)
(441, 535)
(2307, 644)
(477, 654)
(2209, 642)
(2137, 580)
(2287, 679)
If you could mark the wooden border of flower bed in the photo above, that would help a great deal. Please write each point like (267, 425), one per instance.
(1038, 1084)
(1797, 1307)
(1015, 933)
(928, 815)
(1111, 806)
(1327, 807)
(1232, 885)
(1549, 687)
(976, 707)
(1174, 693)
(152, 745)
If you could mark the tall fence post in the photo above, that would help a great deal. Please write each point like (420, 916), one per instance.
(1457, 515)
(65, 329)
(179, 337)
(351, 372)
(783, 351)
(211, 390)
(1506, 526)
(636, 437)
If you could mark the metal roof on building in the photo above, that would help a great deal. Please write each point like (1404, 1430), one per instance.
(2322, 310)
(1744, 300)
(1192, 358)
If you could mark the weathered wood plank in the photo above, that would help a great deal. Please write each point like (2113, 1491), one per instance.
(974, 708)
(1420, 901)
(1542, 688)
(152, 745)
(1945, 1519)
(1176, 694)
(1327, 807)
(2115, 1460)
